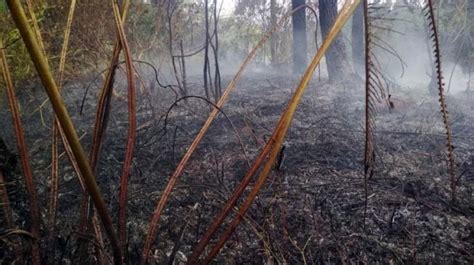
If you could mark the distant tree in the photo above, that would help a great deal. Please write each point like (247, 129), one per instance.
(456, 21)
(299, 37)
(273, 41)
(336, 58)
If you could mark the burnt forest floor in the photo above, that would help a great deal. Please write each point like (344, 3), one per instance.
(310, 211)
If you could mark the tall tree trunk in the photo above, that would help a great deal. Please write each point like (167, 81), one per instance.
(206, 50)
(299, 37)
(273, 40)
(358, 40)
(217, 72)
(336, 58)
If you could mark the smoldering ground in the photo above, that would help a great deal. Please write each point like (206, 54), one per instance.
(313, 205)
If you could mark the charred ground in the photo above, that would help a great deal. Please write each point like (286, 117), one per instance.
(312, 210)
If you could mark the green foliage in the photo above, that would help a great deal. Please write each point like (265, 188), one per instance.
(143, 26)
(19, 61)
(239, 31)
(18, 58)
(145, 21)
(3, 6)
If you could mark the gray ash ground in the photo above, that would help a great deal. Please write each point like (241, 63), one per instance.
(311, 211)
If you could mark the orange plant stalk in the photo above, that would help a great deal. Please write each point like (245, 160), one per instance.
(44, 72)
(53, 205)
(279, 133)
(23, 150)
(101, 117)
(132, 127)
(182, 164)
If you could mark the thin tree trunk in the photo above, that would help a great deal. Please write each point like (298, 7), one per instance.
(217, 73)
(358, 40)
(206, 49)
(300, 60)
(336, 58)
(273, 40)
(183, 69)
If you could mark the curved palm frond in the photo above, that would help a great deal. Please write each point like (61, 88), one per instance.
(430, 16)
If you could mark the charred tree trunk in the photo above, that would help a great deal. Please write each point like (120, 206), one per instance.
(206, 51)
(299, 37)
(336, 58)
(211, 88)
(217, 73)
(358, 40)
